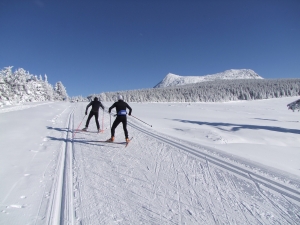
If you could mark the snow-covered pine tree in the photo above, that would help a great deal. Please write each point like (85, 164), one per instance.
(48, 90)
(21, 86)
(213, 91)
(5, 87)
(60, 92)
(78, 99)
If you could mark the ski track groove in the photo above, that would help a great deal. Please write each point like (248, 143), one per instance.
(60, 209)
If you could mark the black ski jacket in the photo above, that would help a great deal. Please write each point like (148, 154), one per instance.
(95, 106)
(120, 107)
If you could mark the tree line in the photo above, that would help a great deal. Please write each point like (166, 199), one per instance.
(20, 86)
(211, 91)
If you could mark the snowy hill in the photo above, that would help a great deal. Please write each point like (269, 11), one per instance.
(176, 80)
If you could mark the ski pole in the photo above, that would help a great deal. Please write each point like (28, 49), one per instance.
(141, 121)
(78, 127)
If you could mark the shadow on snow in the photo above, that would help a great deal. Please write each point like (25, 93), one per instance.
(89, 142)
(275, 120)
(237, 127)
(74, 140)
(58, 129)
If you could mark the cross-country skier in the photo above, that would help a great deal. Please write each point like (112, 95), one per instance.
(96, 104)
(121, 117)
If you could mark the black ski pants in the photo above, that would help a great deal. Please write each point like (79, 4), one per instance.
(96, 114)
(118, 120)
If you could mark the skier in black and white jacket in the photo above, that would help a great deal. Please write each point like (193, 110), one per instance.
(121, 107)
(96, 104)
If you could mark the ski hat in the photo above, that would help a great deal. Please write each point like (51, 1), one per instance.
(120, 97)
(95, 99)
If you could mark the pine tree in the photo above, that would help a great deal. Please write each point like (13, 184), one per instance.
(60, 92)
(21, 86)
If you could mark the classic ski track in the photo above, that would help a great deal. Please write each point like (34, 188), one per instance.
(60, 210)
(215, 192)
(282, 189)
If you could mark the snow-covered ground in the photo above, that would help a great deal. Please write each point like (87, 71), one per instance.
(199, 163)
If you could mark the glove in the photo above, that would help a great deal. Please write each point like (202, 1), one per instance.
(85, 113)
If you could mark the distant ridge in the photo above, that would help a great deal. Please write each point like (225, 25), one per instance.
(176, 80)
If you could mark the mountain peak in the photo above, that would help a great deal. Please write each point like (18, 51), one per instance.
(176, 80)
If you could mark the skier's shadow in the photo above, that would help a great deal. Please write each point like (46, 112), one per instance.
(89, 142)
(75, 140)
(57, 129)
(237, 127)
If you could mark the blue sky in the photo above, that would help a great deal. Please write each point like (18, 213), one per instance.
(96, 46)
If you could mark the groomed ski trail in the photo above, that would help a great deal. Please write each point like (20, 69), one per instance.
(61, 206)
(161, 180)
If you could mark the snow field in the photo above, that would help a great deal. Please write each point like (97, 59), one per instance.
(200, 163)
(261, 131)
(154, 182)
(32, 140)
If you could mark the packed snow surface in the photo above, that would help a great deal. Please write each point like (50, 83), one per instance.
(199, 163)
(176, 80)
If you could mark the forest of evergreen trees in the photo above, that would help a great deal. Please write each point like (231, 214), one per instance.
(21, 86)
(212, 91)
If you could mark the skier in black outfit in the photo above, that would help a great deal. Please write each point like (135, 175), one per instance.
(96, 104)
(121, 117)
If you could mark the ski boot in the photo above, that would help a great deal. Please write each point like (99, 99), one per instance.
(127, 140)
(111, 139)
(84, 129)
